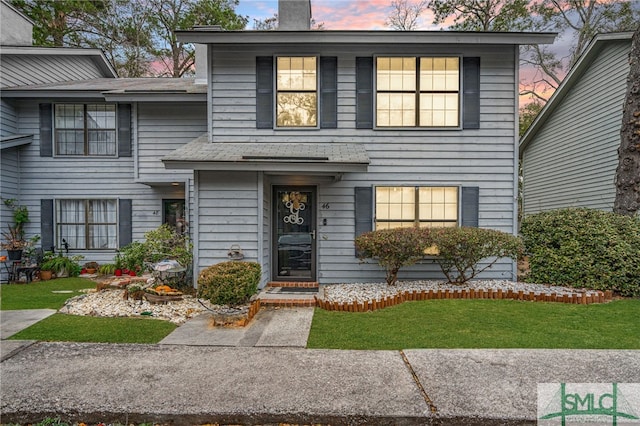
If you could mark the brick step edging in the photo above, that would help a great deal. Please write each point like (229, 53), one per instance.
(372, 305)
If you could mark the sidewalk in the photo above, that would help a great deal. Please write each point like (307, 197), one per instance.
(263, 374)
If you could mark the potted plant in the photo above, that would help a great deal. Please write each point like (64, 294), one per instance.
(13, 239)
(118, 266)
(63, 266)
(91, 267)
(13, 242)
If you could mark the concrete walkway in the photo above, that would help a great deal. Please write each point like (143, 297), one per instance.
(262, 374)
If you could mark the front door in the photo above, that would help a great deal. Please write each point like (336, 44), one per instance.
(294, 237)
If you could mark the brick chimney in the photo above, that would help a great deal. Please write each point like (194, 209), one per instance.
(294, 15)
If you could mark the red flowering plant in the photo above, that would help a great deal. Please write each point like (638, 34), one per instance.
(394, 248)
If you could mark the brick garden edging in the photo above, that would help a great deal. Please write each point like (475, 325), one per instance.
(372, 305)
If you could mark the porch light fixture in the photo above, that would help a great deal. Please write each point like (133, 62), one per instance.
(175, 183)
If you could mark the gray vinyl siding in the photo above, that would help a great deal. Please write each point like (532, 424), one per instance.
(162, 128)
(483, 157)
(9, 164)
(571, 162)
(22, 70)
(7, 118)
(85, 178)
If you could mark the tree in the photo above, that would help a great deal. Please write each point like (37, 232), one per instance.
(583, 19)
(170, 15)
(627, 178)
(482, 15)
(60, 23)
(405, 14)
(528, 113)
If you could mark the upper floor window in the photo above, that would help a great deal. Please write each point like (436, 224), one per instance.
(417, 91)
(419, 206)
(85, 129)
(87, 224)
(297, 91)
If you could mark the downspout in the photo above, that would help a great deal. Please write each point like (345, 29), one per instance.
(259, 256)
(195, 227)
(516, 147)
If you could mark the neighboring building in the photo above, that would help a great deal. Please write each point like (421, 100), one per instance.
(570, 152)
(299, 141)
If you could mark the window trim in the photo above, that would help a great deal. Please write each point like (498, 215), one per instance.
(416, 220)
(87, 224)
(417, 92)
(317, 91)
(85, 131)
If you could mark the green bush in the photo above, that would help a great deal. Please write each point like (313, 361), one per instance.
(461, 249)
(229, 283)
(394, 248)
(581, 247)
(160, 244)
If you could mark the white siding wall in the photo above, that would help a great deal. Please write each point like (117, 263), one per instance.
(573, 158)
(483, 157)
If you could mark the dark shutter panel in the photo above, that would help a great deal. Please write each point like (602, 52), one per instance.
(124, 130)
(46, 224)
(470, 201)
(471, 93)
(264, 92)
(364, 93)
(363, 210)
(46, 130)
(125, 215)
(329, 92)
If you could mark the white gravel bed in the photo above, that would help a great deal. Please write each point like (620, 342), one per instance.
(110, 303)
(366, 292)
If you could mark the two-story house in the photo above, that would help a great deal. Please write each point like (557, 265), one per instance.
(314, 137)
(297, 141)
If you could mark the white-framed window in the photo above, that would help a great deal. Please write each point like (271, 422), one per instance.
(296, 91)
(85, 129)
(417, 91)
(419, 206)
(87, 224)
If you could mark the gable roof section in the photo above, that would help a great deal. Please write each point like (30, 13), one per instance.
(215, 36)
(153, 89)
(573, 77)
(28, 65)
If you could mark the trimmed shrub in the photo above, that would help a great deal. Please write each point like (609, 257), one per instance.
(161, 243)
(461, 249)
(394, 248)
(229, 283)
(581, 247)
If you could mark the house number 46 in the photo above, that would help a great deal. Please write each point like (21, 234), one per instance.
(326, 206)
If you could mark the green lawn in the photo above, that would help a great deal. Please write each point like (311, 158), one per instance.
(72, 328)
(481, 324)
(39, 294)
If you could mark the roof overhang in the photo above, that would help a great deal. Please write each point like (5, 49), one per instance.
(575, 73)
(321, 159)
(205, 36)
(15, 141)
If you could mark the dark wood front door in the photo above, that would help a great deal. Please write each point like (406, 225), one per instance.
(294, 236)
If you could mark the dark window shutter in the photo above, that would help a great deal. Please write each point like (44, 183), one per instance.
(329, 92)
(471, 93)
(364, 93)
(124, 130)
(46, 130)
(46, 224)
(264, 92)
(125, 216)
(470, 202)
(363, 210)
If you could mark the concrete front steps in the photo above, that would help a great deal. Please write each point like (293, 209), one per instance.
(289, 294)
